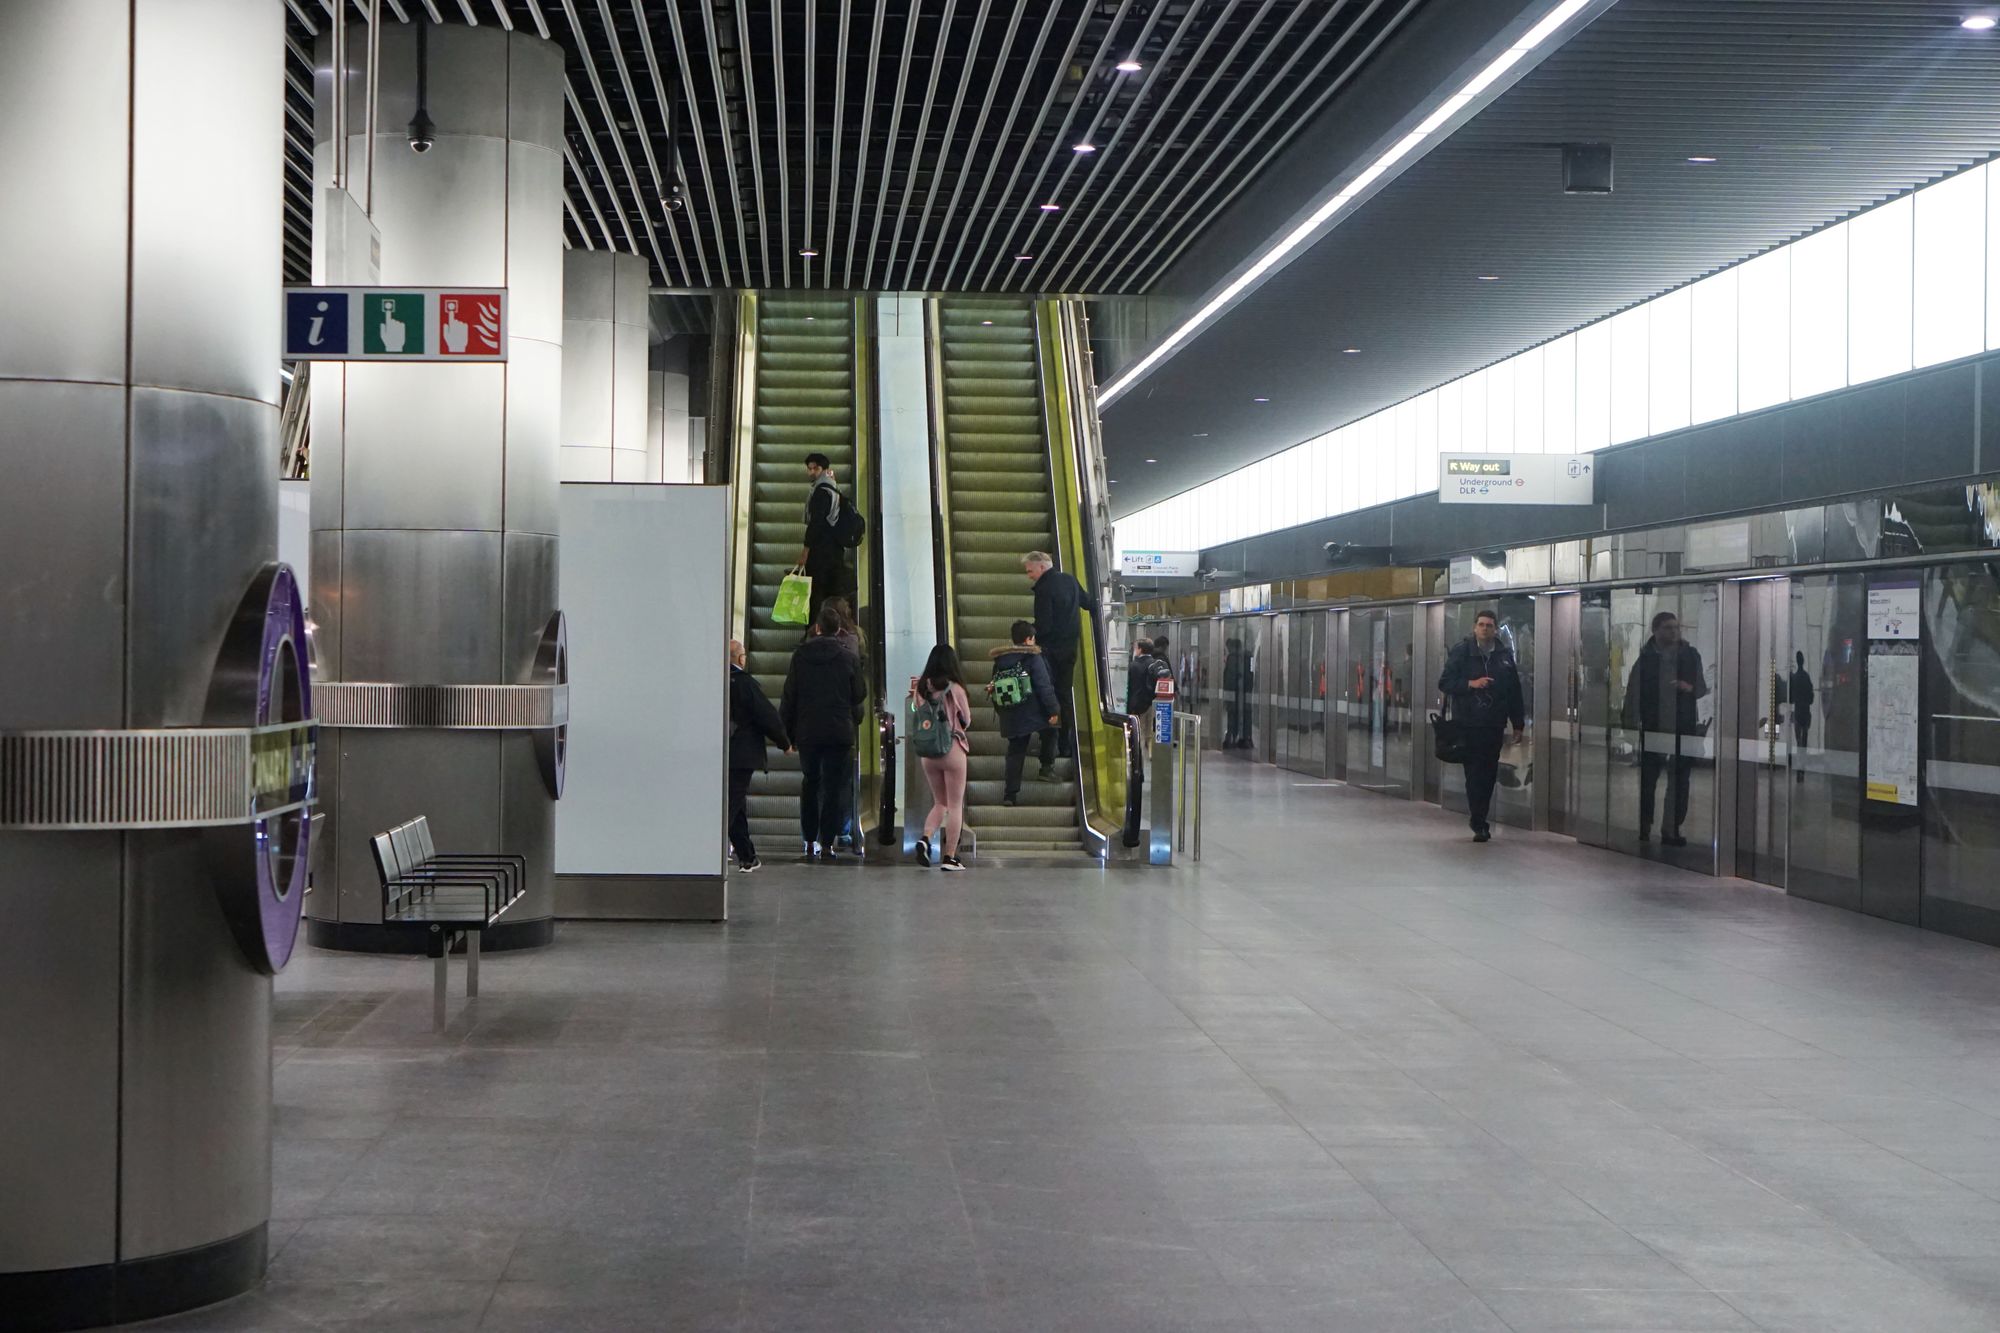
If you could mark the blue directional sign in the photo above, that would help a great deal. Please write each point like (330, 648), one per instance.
(395, 324)
(1163, 721)
(315, 323)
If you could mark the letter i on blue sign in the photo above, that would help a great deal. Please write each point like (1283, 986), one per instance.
(315, 323)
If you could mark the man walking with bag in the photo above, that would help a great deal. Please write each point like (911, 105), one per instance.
(1484, 687)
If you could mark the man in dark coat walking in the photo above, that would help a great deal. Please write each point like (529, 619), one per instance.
(1484, 687)
(1661, 694)
(821, 712)
(1060, 605)
(753, 723)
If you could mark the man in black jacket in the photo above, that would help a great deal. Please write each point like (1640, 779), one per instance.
(1139, 679)
(1060, 605)
(821, 711)
(752, 723)
(1661, 692)
(1484, 687)
(822, 554)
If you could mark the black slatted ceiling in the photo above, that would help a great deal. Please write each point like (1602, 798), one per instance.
(909, 142)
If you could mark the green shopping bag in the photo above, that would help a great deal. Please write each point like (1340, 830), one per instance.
(794, 600)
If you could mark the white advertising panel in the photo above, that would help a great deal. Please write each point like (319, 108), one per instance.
(1517, 479)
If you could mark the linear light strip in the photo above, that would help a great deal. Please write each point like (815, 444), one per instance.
(1302, 233)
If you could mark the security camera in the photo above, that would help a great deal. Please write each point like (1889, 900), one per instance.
(422, 132)
(675, 201)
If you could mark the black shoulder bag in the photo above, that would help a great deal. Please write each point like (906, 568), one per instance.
(1447, 736)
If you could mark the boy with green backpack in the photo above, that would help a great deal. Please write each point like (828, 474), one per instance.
(1024, 696)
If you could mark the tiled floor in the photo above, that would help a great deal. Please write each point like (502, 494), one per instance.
(1352, 1073)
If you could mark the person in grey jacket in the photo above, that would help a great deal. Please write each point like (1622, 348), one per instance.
(1484, 687)
(1038, 713)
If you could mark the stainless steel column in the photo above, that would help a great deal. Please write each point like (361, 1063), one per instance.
(139, 274)
(435, 486)
(606, 330)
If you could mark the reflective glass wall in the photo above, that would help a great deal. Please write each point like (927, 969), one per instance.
(1961, 826)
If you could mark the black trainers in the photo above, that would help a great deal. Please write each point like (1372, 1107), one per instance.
(745, 867)
(923, 851)
(950, 863)
(1014, 799)
(828, 857)
(1482, 834)
(1048, 774)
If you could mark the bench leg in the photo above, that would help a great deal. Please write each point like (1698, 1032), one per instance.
(437, 988)
(471, 964)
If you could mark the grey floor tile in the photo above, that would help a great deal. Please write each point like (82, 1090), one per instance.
(1341, 1075)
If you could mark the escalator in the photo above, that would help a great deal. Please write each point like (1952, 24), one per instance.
(997, 501)
(798, 396)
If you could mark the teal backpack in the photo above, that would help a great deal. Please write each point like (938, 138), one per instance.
(931, 731)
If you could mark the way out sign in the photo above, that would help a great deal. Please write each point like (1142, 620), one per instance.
(395, 324)
(1517, 479)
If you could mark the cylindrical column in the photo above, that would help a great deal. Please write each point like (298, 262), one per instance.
(434, 486)
(139, 275)
(605, 332)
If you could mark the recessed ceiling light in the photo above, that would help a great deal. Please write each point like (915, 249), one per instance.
(1978, 22)
(809, 319)
(1083, 148)
(1260, 400)
(1022, 259)
(987, 322)
(1201, 435)
(1350, 351)
(1701, 159)
(1052, 208)
(809, 254)
(1128, 67)
(1489, 277)
(1152, 460)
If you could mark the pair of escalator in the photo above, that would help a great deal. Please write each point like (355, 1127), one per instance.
(804, 389)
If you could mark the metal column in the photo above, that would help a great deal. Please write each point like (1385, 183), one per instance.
(434, 488)
(139, 389)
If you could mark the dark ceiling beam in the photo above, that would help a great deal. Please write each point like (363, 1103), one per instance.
(746, 70)
(861, 150)
(1135, 260)
(729, 140)
(784, 143)
(1093, 81)
(910, 17)
(923, 130)
(583, 181)
(638, 199)
(978, 128)
(950, 132)
(673, 175)
(700, 145)
(1072, 217)
(1007, 129)
(825, 244)
(1208, 120)
(659, 192)
(1236, 175)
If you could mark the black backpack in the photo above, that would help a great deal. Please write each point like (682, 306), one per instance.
(851, 528)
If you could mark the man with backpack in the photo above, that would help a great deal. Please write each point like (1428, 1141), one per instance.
(834, 526)
(1025, 698)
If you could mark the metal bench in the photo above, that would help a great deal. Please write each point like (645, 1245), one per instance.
(458, 895)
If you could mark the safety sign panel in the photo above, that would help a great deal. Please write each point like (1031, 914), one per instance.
(1517, 479)
(395, 324)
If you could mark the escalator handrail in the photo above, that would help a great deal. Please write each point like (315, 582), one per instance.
(941, 570)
